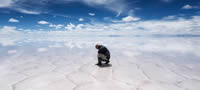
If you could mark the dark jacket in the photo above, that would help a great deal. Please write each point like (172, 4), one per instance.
(103, 50)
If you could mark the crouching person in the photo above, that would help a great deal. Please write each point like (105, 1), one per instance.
(103, 54)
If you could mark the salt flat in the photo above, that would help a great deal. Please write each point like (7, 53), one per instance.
(138, 63)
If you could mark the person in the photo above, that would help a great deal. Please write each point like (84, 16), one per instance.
(103, 54)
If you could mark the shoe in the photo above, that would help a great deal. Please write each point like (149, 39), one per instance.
(98, 64)
(107, 62)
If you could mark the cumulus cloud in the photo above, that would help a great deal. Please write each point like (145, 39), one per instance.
(8, 28)
(169, 17)
(79, 26)
(178, 26)
(174, 26)
(80, 19)
(91, 14)
(187, 7)
(43, 22)
(124, 19)
(75, 27)
(56, 26)
(13, 20)
(70, 27)
(130, 18)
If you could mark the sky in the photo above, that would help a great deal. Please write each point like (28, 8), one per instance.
(154, 37)
(61, 15)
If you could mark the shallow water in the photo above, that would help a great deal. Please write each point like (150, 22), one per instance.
(63, 63)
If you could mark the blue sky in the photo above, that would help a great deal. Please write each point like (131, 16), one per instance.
(58, 14)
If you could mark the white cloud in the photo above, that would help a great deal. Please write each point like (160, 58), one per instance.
(56, 26)
(80, 19)
(27, 11)
(69, 45)
(130, 19)
(143, 28)
(9, 35)
(13, 20)
(79, 26)
(174, 26)
(43, 22)
(169, 17)
(12, 4)
(57, 45)
(5, 3)
(8, 28)
(118, 14)
(70, 26)
(75, 27)
(187, 7)
(91, 14)
(118, 6)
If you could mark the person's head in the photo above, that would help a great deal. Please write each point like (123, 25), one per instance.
(98, 46)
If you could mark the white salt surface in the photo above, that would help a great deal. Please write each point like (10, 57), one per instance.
(137, 64)
(12, 51)
(42, 49)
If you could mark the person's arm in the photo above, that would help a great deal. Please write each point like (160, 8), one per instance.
(102, 50)
(102, 53)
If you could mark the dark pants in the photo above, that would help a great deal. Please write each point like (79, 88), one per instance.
(100, 61)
